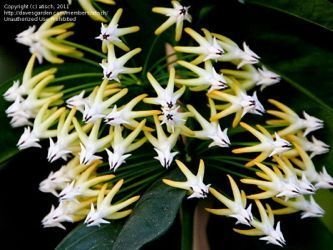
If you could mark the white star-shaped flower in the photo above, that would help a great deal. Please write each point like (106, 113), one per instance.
(309, 208)
(176, 15)
(314, 147)
(266, 78)
(247, 56)
(84, 185)
(113, 66)
(14, 92)
(56, 217)
(194, 183)
(239, 103)
(121, 146)
(105, 210)
(311, 123)
(110, 33)
(210, 130)
(59, 179)
(293, 122)
(99, 102)
(250, 104)
(173, 118)
(235, 208)
(249, 76)
(167, 98)
(90, 145)
(41, 127)
(67, 211)
(269, 145)
(209, 47)
(28, 139)
(67, 141)
(324, 180)
(275, 185)
(126, 115)
(207, 77)
(265, 227)
(26, 37)
(163, 144)
(320, 179)
(77, 101)
(47, 41)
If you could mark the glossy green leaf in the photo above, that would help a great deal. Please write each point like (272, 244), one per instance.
(319, 12)
(84, 238)
(152, 216)
(325, 200)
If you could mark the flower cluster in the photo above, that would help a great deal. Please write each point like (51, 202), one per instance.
(48, 41)
(111, 120)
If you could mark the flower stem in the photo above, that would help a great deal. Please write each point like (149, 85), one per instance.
(145, 65)
(186, 219)
(75, 76)
(84, 48)
(228, 171)
(134, 176)
(139, 183)
(86, 60)
(142, 164)
(87, 87)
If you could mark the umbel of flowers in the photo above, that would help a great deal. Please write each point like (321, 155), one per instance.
(96, 127)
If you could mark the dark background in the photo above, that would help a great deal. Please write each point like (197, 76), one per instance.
(22, 206)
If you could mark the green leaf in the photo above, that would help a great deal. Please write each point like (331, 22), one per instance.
(152, 216)
(324, 199)
(84, 238)
(319, 12)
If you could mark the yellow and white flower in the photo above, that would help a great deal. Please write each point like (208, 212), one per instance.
(210, 130)
(194, 183)
(235, 208)
(309, 208)
(240, 103)
(265, 227)
(163, 144)
(249, 76)
(121, 146)
(208, 77)
(42, 127)
(209, 48)
(91, 144)
(47, 41)
(105, 210)
(67, 211)
(84, 185)
(292, 121)
(176, 15)
(269, 145)
(113, 66)
(126, 116)
(110, 33)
